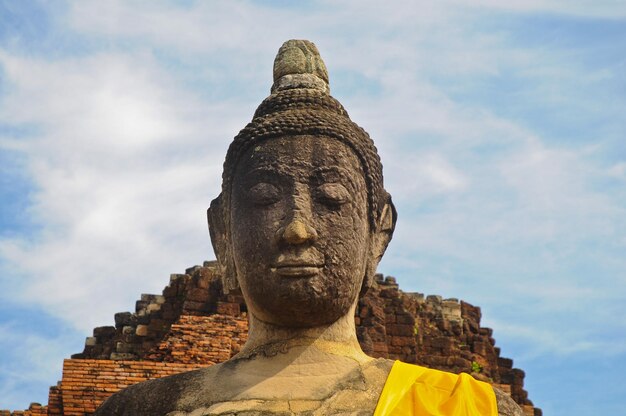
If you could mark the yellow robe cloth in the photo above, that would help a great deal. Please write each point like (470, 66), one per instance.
(411, 390)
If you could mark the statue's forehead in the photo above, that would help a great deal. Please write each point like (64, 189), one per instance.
(313, 152)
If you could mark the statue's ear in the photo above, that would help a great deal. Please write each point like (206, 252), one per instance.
(220, 238)
(380, 238)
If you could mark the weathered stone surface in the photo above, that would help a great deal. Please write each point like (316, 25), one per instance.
(141, 330)
(298, 65)
(122, 319)
(506, 405)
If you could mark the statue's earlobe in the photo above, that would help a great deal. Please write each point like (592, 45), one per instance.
(388, 218)
(222, 246)
(380, 238)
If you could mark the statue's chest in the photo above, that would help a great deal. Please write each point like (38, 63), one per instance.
(355, 394)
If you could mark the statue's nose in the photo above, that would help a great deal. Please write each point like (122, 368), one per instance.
(297, 232)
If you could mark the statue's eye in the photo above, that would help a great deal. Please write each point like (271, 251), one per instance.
(264, 194)
(332, 194)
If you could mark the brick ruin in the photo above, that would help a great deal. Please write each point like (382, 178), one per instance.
(192, 324)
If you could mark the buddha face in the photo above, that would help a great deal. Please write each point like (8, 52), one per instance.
(299, 228)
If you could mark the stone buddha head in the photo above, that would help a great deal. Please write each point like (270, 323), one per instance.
(303, 218)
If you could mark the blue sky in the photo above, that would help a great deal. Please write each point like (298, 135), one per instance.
(500, 124)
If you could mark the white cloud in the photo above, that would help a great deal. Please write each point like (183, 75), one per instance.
(27, 372)
(565, 342)
(610, 9)
(37, 349)
(618, 171)
(201, 27)
(554, 192)
(431, 174)
(125, 167)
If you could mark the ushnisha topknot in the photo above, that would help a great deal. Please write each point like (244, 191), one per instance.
(298, 64)
(300, 104)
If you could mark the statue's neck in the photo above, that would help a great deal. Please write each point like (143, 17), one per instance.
(337, 339)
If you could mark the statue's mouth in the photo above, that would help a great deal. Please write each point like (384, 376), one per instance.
(296, 269)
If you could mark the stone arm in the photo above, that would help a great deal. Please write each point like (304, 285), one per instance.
(152, 397)
(506, 405)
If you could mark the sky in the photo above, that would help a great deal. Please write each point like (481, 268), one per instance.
(501, 126)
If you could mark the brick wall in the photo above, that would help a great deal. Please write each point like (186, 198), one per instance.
(35, 409)
(87, 383)
(202, 340)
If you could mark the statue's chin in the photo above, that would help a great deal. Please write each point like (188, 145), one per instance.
(304, 310)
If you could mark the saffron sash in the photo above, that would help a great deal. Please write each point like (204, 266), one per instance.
(412, 390)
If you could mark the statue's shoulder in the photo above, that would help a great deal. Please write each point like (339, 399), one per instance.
(374, 374)
(157, 397)
(506, 405)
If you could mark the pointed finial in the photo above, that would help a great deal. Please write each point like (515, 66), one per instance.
(298, 64)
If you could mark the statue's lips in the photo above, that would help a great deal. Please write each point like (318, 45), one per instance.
(296, 269)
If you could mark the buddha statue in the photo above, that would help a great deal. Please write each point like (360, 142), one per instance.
(299, 227)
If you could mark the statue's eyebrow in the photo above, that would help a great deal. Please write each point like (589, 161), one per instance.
(269, 169)
(333, 173)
